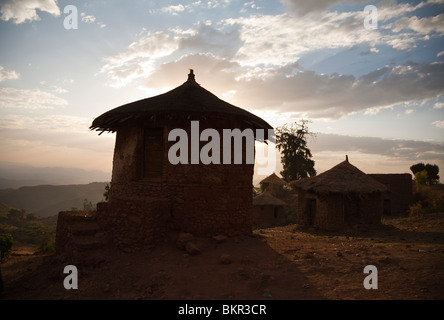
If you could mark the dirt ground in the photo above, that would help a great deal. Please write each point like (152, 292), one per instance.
(278, 263)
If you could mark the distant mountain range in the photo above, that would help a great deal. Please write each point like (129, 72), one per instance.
(49, 200)
(14, 175)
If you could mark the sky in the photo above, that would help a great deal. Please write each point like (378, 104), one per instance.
(371, 82)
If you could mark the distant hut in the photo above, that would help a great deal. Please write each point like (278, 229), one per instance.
(400, 192)
(339, 197)
(149, 196)
(268, 210)
(273, 184)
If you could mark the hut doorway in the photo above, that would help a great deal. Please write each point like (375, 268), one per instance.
(387, 207)
(311, 211)
(351, 209)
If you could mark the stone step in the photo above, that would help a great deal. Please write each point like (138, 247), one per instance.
(88, 242)
(77, 216)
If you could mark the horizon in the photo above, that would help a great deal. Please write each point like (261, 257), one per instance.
(376, 95)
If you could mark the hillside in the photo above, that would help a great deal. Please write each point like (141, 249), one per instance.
(48, 200)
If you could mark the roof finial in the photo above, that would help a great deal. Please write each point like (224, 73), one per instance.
(191, 76)
(346, 158)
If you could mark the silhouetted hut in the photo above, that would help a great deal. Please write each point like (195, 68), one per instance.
(400, 192)
(341, 196)
(149, 196)
(268, 210)
(273, 184)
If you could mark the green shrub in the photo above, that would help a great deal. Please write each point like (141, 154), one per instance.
(290, 217)
(47, 244)
(6, 242)
(415, 210)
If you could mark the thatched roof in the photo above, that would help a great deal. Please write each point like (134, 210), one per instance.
(273, 179)
(343, 178)
(188, 99)
(266, 199)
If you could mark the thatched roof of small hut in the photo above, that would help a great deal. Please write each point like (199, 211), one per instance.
(182, 102)
(266, 199)
(273, 179)
(343, 178)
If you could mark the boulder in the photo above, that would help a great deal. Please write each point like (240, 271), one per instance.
(183, 239)
(219, 238)
(225, 259)
(192, 249)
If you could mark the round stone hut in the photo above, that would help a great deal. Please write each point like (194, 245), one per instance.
(157, 187)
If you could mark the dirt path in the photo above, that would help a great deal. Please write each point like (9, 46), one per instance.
(279, 263)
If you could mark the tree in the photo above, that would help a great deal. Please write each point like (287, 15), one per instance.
(432, 173)
(87, 205)
(31, 216)
(106, 193)
(421, 178)
(417, 168)
(295, 155)
(16, 214)
(431, 170)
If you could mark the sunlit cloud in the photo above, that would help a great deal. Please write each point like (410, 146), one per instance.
(87, 18)
(439, 124)
(24, 11)
(7, 75)
(13, 98)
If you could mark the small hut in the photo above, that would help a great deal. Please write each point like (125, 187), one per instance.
(400, 192)
(273, 184)
(339, 197)
(268, 210)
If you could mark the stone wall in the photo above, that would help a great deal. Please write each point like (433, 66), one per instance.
(204, 200)
(268, 216)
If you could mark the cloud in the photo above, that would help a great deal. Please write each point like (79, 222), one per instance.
(207, 39)
(213, 72)
(439, 124)
(306, 93)
(438, 105)
(13, 98)
(253, 61)
(23, 11)
(174, 10)
(384, 150)
(58, 89)
(7, 75)
(87, 19)
(440, 54)
(139, 58)
(334, 96)
(302, 7)
(47, 122)
(425, 25)
(278, 39)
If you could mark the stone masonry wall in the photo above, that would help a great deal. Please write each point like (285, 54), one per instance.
(204, 200)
